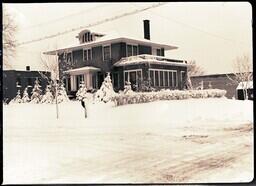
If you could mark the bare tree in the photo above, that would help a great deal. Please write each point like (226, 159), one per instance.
(9, 43)
(192, 70)
(50, 64)
(243, 73)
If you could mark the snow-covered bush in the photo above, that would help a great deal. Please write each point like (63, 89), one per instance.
(144, 97)
(82, 92)
(17, 98)
(106, 91)
(47, 97)
(25, 97)
(62, 94)
(128, 88)
(36, 93)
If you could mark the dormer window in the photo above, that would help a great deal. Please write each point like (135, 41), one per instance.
(87, 36)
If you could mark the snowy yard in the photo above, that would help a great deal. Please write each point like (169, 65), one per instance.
(193, 140)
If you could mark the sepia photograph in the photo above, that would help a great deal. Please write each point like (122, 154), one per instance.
(127, 93)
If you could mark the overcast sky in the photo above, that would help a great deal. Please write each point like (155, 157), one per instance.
(212, 34)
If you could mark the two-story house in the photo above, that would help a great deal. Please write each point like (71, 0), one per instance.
(127, 59)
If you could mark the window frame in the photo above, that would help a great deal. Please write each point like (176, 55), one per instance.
(132, 45)
(71, 57)
(128, 74)
(87, 54)
(168, 74)
(154, 51)
(110, 55)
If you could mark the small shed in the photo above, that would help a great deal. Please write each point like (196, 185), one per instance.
(245, 85)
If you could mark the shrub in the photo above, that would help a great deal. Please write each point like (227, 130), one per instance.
(145, 97)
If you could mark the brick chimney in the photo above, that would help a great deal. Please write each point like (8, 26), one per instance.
(146, 29)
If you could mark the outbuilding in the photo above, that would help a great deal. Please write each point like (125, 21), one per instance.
(242, 88)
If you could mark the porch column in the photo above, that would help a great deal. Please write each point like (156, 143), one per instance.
(87, 80)
(73, 82)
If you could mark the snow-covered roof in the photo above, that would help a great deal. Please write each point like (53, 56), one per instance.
(77, 71)
(112, 38)
(245, 85)
(140, 59)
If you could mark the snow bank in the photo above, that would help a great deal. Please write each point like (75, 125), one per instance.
(172, 113)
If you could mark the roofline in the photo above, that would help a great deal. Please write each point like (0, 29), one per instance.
(120, 39)
(212, 75)
(27, 70)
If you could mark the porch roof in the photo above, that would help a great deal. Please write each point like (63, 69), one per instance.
(151, 59)
(82, 70)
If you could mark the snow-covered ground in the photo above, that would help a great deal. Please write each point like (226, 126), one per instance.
(193, 140)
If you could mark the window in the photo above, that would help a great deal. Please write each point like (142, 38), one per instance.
(170, 79)
(87, 37)
(166, 82)
(79, 80)
(116, 80)
(175, 79)
(152, 78)
(161, 78)
(87, 54)
(29, 82)
(132, 50)
(106, 53)
(129, 50)
(182, 76)
(126, 76)
(133, 76)
(18, 81)
(156, 78)
(69, 58)
(158, 52)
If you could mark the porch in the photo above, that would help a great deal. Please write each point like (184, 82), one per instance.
(90, 76)
(157, 72)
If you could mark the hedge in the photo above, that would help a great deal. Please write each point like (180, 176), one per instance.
(145, 97)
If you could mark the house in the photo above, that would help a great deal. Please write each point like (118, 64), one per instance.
(126, 58)
(14, 80)
(219, 81)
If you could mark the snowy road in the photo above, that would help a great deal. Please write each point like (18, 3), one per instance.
(125, 147)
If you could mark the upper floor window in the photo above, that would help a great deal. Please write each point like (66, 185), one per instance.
(106, 52)
(156, 52)
(132, 50)
(69, 58)
(87, 54)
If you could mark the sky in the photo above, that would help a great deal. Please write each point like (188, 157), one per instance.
(213, 34)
